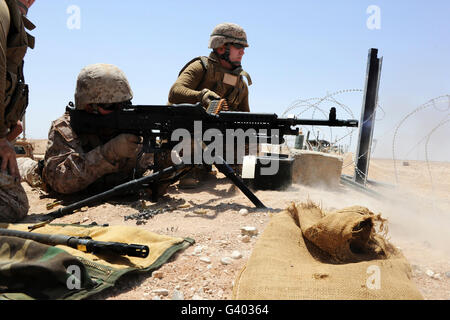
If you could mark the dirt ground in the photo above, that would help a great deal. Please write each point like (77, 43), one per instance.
(417, 209)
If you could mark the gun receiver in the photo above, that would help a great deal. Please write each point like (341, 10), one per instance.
(159, 122)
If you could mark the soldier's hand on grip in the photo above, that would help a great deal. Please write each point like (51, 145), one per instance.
(121, 147)
(207, 96)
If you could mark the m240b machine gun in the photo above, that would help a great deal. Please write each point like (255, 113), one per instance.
(156, 124)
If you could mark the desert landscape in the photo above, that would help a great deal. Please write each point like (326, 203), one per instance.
(416, 204)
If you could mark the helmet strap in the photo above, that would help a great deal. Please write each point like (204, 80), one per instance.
(226, 56)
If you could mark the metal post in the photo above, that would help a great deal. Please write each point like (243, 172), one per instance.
(368, 112)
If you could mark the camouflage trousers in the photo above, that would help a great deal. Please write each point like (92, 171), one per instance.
(13, 200)
(29, 172)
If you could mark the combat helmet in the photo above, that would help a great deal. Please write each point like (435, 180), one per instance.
(101, 84)
(227, 33)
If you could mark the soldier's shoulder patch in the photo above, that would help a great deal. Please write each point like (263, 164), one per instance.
(62, 126)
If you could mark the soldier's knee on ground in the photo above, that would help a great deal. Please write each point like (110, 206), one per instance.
(14, 204)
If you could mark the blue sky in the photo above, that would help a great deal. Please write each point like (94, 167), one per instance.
(298, 50)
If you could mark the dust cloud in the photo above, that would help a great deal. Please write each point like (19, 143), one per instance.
(411, 217)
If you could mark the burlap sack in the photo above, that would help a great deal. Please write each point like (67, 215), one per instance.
(347, 235)
(285, 265)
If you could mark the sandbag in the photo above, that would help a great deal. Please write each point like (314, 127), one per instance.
(347, 235)
(345, 258)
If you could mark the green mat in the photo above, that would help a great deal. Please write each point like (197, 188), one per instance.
(30, 270)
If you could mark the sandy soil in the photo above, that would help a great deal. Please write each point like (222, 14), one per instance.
(417, 209)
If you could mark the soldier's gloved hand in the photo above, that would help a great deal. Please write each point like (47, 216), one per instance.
(121, 147)
(208, 95)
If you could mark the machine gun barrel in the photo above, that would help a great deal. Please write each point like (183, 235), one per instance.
(83, 244)
(248, 119)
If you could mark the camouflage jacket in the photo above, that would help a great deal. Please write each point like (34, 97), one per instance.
(14, 42)
(73, 163)
(207, 73)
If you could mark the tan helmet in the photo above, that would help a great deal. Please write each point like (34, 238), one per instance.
(101, 83)
(227, 33)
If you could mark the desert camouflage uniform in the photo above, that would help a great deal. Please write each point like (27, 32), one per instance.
(13, 200)
(14, 41)
(73, 163)
(30, 172)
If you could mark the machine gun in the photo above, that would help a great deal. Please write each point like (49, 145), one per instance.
(83, 244)
(156, 125)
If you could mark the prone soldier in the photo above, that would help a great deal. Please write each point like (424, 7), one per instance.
(96, 162)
